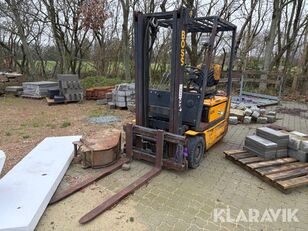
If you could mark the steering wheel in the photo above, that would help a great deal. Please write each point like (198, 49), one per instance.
(194, 79)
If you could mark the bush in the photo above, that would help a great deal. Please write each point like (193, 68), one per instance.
(99, 81)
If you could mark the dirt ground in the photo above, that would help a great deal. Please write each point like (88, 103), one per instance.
(26, 122)
(172, 200)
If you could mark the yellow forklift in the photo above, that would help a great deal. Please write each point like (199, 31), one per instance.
(177, 124)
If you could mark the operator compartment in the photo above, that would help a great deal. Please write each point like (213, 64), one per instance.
(213, 108)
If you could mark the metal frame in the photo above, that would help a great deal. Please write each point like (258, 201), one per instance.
(179, 20)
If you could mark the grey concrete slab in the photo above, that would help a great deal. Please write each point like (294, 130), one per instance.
(264, 143)
(2, 160)
(27, 189)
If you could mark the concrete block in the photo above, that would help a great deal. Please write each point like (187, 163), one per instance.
(300, 134)
(294, 142)
(233, 120)
(267, 155)
(255, 108)
(271, 113)
(101, 102)
(304, 146)
(271, 118)
(263, 143)
(262, 120)
(262, 112)
(248, 112)
(27, 188)
(241, 106)
(247, 119)
(298, 154)
(2, 160)
(255, 114)
(237, 113)
(282, 153)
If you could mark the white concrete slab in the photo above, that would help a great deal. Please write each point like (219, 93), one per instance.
(26, 190)
(2, 160)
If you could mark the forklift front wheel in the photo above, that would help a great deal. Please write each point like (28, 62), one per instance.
(195, 151)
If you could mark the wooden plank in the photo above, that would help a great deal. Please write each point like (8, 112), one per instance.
(242, 156)
(234, 152)
(250, 160)
(271, 162)
(288, 174)
(277, 169)
(294, 182)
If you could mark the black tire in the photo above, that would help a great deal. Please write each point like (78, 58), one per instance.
(195, 151)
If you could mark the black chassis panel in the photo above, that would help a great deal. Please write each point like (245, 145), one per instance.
(159, 103)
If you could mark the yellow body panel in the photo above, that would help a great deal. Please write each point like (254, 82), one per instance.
(213, 134)
(217, 111)
(215, 100)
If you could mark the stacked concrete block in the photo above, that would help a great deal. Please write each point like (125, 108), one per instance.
(38, 89)
(298, 154)
(261, 147)
(70, 87)
(298, 146)
(280, 138)
(123, 96)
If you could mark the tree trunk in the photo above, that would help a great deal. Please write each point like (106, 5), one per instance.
(270, 45)
(30, 67)
(125, 39)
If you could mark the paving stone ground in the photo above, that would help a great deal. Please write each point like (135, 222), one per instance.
(186, 201)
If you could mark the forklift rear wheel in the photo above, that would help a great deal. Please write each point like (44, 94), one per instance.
(195, 151)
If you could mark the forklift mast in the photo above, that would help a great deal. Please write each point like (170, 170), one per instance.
(177, 104)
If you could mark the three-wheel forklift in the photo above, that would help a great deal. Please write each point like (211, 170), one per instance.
(175, 125)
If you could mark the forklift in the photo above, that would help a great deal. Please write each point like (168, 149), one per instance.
(175, 125)
(191, 113)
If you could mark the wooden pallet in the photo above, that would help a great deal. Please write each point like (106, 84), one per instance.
(283, 173)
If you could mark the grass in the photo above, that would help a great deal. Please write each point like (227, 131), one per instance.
(52, 126)
(99, 81)
(25, 136)
(99, 112)
(65, 124)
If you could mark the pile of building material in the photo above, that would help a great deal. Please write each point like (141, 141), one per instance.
(69, 90)
(261, 147)
(10, 79)
(123, 96)
(278, 137)
(14, 90)
(38, 89)
(70, 87)
(97, 93)
(298, 146)
(241, 113)
(28, 187)
(270, 144)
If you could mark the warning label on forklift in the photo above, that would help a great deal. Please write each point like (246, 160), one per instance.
(180, 96)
